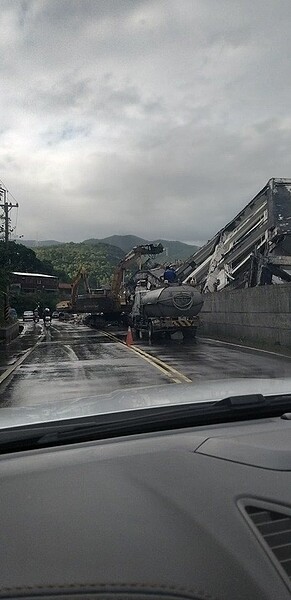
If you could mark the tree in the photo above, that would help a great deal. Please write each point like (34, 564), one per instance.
(99, 260)
(16, 257)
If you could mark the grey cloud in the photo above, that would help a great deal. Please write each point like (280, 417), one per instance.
(87, 97)
(66, 132)
(68, 91)
(154, 117)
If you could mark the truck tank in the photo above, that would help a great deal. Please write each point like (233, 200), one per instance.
(172, 301)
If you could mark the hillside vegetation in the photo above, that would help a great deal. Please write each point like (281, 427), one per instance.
(17, 257)
(36, 243)
(174, 250)
(98, 259)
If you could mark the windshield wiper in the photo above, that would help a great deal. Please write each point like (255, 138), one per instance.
(132, 422)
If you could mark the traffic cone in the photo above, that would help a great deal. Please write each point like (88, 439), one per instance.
(129, 338)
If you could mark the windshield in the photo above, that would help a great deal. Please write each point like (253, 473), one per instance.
(145, 204)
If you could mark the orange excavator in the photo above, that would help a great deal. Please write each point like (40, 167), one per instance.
(70, 304)
(109, 301)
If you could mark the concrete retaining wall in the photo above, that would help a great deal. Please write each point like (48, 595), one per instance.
(261, 315)
(7, 334)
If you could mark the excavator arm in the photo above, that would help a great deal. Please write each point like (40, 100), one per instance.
(82, 274)
(69, 304)
(136, 253)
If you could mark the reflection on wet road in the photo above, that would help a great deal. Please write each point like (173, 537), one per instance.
(10, 353)
(72, 362)
(209, 359)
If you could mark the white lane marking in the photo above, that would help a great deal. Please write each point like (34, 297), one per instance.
(72, 354)
(11, 369)
(246, 347)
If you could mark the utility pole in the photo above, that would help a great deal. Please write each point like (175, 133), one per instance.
(7, 207)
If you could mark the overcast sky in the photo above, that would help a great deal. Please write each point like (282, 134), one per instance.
(159, 118)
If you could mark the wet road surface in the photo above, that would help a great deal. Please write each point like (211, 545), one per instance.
(73, 361)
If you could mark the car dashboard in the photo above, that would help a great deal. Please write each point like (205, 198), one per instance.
(196, 513)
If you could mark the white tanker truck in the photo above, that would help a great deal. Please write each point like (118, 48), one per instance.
(166, 310)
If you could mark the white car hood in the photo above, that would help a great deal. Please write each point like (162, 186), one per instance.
(140, 398)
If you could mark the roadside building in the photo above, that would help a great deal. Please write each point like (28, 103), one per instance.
(65, 290)
(30, 283)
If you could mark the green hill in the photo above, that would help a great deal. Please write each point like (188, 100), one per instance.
(98, 259)
(174, 250)
(101, 256)
(36, 243)
(125, 242)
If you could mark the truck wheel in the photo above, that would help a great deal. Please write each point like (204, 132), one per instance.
(151, 332)
(189, 334)
(137, 333)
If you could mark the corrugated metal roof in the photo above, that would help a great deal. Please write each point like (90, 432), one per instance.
(34, 275)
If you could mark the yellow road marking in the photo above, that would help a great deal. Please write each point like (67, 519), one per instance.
(161, 363)
(154, 361)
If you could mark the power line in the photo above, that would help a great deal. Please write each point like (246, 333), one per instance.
(10, 193)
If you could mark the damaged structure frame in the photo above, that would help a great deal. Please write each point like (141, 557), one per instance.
(253, 249)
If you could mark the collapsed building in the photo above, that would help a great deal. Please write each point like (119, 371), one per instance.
(253, 249)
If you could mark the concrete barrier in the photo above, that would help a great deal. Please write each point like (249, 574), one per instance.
(261, 315)
(9, 332)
